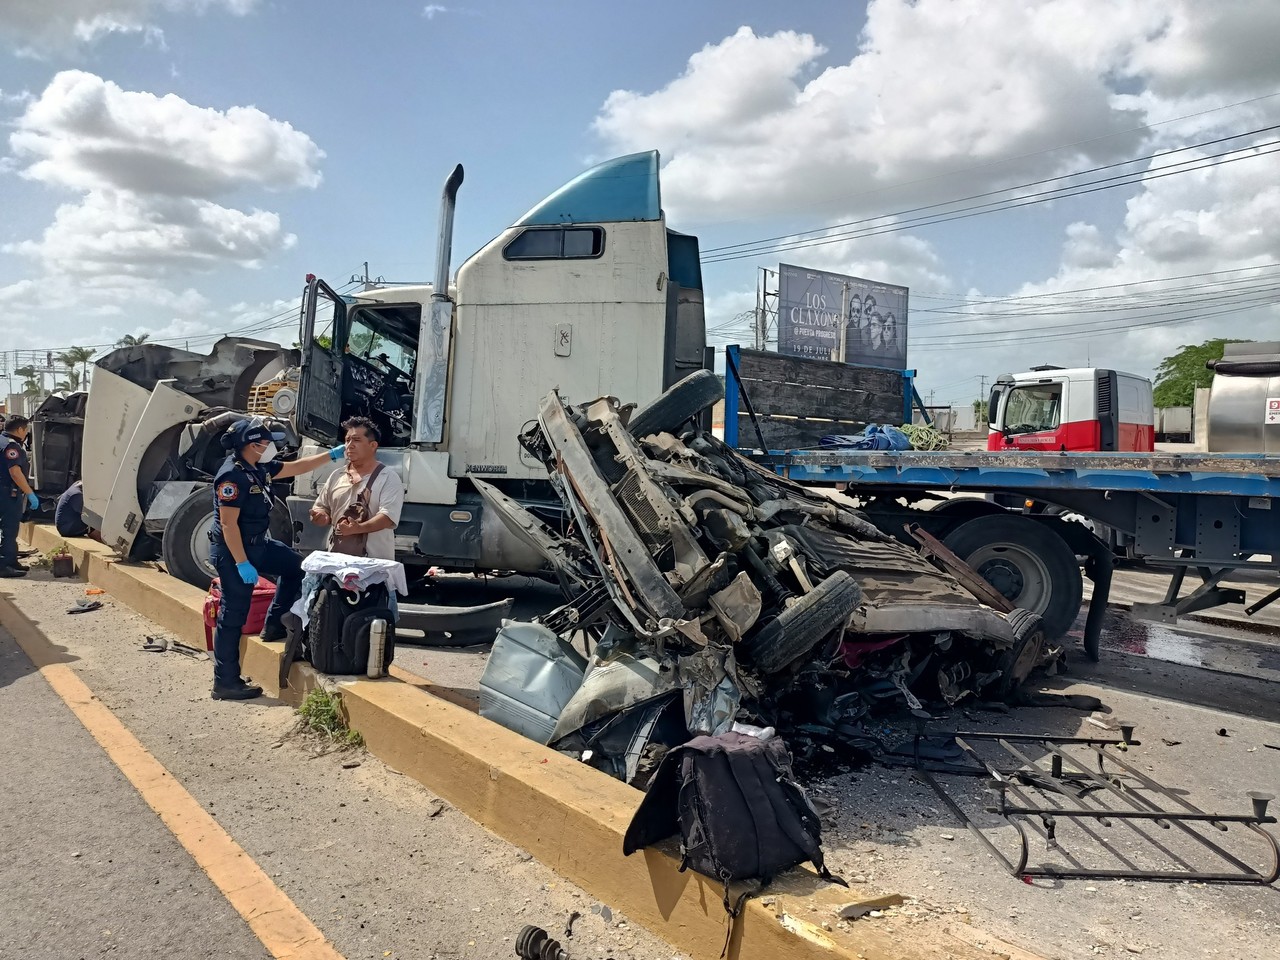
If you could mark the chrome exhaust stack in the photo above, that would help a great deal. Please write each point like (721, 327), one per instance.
(433, 337)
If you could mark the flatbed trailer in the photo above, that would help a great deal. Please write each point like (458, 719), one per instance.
(1211, 513)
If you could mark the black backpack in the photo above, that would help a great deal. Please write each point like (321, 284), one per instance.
(739, 810)
(337, 635)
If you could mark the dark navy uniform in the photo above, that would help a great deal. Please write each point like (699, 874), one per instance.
(248, 487)
(12, 500)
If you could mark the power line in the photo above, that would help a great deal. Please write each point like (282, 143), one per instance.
(1107, 286)
(820, 231)
(1176, 299)
(1066, 192)
(1002, 338)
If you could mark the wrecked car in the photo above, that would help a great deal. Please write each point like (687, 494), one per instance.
(706, 591)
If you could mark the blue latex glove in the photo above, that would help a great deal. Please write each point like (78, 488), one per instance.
(248, 573)
(33, 502)
(337, 453)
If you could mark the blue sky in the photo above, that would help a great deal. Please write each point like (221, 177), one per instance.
(178, 166)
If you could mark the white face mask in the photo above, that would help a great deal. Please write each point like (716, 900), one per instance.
(269, 454)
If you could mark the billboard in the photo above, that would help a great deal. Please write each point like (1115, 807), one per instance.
(816, 309)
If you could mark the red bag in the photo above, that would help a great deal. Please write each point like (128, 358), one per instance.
(263, 593)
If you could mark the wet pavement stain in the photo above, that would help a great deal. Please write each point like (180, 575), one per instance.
(1222, 650)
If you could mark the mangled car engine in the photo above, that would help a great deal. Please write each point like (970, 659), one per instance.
(706, 591)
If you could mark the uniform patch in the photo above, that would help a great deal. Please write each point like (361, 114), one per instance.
(255, 489)
(228, 491)
(12, 452)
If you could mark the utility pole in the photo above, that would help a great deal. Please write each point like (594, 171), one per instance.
(369, 282)
(759, 337)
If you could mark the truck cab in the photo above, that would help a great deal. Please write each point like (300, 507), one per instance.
(1087, 409)
(588, 292)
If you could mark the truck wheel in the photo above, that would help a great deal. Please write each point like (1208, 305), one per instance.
(1027, 562)
(682, 401)
(185, 544)
(800, 627)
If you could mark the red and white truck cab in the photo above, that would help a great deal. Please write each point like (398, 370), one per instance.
(1080, 409)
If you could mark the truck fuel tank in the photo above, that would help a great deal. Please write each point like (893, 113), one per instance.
(1244, 399)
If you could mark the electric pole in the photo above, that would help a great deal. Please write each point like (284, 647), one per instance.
(760, 283)
(370, 283)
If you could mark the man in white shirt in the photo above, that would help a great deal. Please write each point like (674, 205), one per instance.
(362, 502)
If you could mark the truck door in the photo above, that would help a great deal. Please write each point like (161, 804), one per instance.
(320, 381)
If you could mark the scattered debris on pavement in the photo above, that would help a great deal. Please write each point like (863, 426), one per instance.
(534, 943)
(162, 644)
(1056, 792)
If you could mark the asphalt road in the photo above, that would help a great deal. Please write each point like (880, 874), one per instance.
(88, 870)
(383, 868)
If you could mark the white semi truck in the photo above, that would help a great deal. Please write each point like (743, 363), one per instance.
(588, 292)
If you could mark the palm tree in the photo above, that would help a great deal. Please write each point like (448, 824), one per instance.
(77, 356)
(32, 382)
(129, 340)
(72, 382)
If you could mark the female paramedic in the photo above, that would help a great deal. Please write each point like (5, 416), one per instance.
(243, 548)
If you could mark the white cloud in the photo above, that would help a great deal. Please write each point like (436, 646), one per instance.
(46, 25)
(121, 232)
(431, 9)
(149, 169)
(87, 133)
(1227, 45)
(968, 90)
(153, 178)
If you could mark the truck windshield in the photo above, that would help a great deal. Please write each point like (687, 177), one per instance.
(370, 342)
(1033, 408)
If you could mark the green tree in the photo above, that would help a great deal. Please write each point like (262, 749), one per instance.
(71, 383)
(32, 385)
(1180, 373)
(980, 417)
(74, 357)
(129, 340)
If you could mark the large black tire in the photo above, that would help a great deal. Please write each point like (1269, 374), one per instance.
(802, 626)
(185, 544)
(1025, 561)
(680, 402)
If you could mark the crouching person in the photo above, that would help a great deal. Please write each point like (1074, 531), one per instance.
(243, 547)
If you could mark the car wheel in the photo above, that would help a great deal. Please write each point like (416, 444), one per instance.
(801, 627)
(680, 402)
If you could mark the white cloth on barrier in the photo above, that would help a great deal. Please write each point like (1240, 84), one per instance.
(354, 573)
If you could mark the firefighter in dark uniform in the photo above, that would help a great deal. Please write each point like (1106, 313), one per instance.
(15, 492)
(243, 548)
